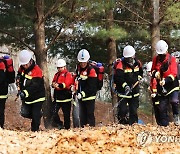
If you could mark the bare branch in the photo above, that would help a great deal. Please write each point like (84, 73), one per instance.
(54, 8)
(164, 14)
(167, 22)
(4, 32)
(123, 21)
(51, 10)
(54, 39)
(8, 53)
(134, 13)
(15, 13)
(59, 31)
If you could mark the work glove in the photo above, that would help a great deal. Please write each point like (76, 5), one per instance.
(127, 90)
(72, 88)
(153, 95)
(164, 91)
(79, 96)
(162, 82)
(140, 78)
(157, 75)
(78, 78)
(22, 95)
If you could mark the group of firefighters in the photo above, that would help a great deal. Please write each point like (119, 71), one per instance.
(82, 86)
(163, 85)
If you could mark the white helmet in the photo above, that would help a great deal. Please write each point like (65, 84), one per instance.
(83, 55)
(128, 51)
(161, 47)
(149, 66)
(24, 57)
(60, 63)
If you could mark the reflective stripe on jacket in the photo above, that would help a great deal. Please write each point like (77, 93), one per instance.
(168, 72)
(65, 78)
(3, 96)
(32, 83)
(127, 75)
(87, 85)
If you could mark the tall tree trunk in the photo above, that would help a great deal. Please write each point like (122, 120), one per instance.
(111, 48)
(41, 57)
(155, 28)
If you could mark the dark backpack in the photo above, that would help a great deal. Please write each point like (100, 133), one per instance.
(114, 69)
(113, 78)
(99, 68)
(10, 73)
(115, 63)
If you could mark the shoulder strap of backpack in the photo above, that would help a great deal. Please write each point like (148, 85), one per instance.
(57, 76)
(123, 63)
(89, 69)
(169, 59)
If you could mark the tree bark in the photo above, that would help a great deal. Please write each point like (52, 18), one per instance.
(41, 57)
(155, 28)
(112, 54)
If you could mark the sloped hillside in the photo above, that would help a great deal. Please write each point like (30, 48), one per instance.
(106, 137)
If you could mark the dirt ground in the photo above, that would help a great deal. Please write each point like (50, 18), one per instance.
(13, 120)
(105, 138)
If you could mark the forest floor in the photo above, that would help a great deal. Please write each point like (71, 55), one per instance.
(106, 137)
(103, 114)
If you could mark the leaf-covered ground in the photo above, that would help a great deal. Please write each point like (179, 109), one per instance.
(105, 139)
(16, 137)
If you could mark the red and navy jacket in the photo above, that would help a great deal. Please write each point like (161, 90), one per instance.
(87, 82)
(3, 81)
(32, 83)
(128, 75)
(168, 71)
(64, 93)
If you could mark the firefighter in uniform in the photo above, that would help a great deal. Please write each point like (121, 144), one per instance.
(87, 88)
(166, 87)
(61, 83)
(3, 92)
(128, 73)
(31, 88)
